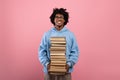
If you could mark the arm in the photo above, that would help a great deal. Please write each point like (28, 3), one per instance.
(74, 53)
(42, 52)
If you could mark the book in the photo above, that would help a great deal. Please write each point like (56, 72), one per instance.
(57, 54)
(57, 70)
(57, 64)
(53, 48)
(57, 73)
(57, 57)
(58, 67)
(54, 51)
(58, 42)
(58, 45)
(58, 39)
(58, 61)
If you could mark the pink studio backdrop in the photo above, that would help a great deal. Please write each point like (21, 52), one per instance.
(96, 24)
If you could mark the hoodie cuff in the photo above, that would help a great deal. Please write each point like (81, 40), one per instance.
(46, 64)
(70, 64)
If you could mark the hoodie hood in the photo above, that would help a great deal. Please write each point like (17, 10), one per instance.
(62, 30)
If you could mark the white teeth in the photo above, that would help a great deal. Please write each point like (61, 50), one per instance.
(59, 22)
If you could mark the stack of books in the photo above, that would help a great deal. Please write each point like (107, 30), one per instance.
(57, 56)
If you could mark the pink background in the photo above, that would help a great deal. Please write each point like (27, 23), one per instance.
(96, 24)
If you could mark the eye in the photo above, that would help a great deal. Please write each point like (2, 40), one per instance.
(61, 17)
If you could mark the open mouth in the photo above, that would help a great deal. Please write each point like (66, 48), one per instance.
(59, 22)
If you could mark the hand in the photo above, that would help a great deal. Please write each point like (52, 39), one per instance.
(48, 66)
(67, 67)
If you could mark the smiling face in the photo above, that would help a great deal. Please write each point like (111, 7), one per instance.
(59, 21)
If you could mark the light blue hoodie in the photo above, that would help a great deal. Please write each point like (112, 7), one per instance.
(72, 51)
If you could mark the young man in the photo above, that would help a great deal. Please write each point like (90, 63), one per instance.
(59, 19)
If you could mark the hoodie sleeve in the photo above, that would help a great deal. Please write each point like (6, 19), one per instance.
(42, 51)
(74, 53)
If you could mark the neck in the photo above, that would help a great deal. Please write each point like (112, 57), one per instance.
(59, 27)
